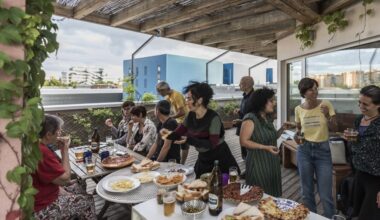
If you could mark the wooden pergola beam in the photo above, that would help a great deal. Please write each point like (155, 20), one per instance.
(250, 40)
(256, 21)
(191, 11)
(104, 20)
(286, 8)
(85, 8)
(331, 6)
(304, 9)
(244, 34)
(138, 10)
(223, 18)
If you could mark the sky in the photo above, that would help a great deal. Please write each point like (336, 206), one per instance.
(92, 45)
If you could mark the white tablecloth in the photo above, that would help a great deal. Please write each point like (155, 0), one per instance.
(150, 210)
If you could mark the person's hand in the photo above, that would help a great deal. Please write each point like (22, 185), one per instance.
(288, 125)
(378, 200)
(164, 133)
(236, 111)
(181, 141)
(272, 149)
(130, 124)
(325, 111)
(108, 122)
(63, 143)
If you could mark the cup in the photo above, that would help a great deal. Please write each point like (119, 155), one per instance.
(160, 196)
(351, 134)
(104, 154)
(79, 153)
(90, 165)
(172, 163)
(338, 217)
(63, 140)
(169, 203)
(233, 174)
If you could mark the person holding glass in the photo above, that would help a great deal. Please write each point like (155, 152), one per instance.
(366, 155)
(141, 131)
(314, 119)
(57, 195)
(259, 136)
(203, 129)
(120, 133)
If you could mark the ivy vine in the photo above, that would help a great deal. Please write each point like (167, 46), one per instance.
(36, 32)
(335, 21)
(305, 33)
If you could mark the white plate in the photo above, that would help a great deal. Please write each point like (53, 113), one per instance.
(107, 183)
(171, 185)
(225, 212)
(154, 174)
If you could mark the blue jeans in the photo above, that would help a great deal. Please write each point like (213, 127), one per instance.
(315, 158)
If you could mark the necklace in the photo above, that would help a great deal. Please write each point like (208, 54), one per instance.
(370, 118)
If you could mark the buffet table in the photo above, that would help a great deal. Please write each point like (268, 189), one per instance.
(151, 210)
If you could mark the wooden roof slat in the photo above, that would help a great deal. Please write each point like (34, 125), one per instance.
(243, 34)
(94, 18)
(285, 7)
(140, 9)
(87, 7)
(331, 6)
(195, 10)
(300, 6)
(256, 21)
(249, 40)
(222, 18)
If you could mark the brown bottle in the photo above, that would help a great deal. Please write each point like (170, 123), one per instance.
(95, 141)
(215, 197)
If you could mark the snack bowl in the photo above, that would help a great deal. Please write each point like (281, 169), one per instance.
(193, 208)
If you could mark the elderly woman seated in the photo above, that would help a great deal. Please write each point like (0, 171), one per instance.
(58, 197)
(141, 131)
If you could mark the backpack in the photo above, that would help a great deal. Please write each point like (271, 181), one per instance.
(345, 196)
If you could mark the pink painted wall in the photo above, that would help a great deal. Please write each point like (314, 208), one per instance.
(8, 159)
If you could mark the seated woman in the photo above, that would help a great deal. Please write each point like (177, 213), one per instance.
(141, 131)
(164, 150)
(120, 133)
(58, 197)
(366, 155)
(203, 129)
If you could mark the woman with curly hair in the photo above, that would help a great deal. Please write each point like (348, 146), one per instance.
(259, 136)
(203, 129)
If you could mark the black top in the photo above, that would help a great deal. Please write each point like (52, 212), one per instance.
(243, 109)
(366, 151)
(174, 151)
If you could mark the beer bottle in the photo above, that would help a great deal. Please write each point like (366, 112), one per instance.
(95, 141)
(215, 197)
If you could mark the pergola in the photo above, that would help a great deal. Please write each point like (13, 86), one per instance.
(245, 26)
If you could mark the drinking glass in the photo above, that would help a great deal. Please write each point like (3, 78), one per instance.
(351, 134)
(90, 165)
(169, 203)
(110, 145)
(172, 163)
(79, 152)
(233, 174)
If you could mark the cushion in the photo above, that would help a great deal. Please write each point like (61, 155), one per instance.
(338, 152)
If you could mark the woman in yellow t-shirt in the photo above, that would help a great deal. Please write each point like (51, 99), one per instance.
(314, 119)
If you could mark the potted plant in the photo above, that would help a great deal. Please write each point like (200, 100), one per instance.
(227, 114)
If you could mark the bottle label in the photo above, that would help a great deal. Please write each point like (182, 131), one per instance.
(213, 201)
(94, 145)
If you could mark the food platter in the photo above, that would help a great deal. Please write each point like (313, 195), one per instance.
(146, 177)
(118, 184)
(169, 181)
(231, 192)
(114, 162)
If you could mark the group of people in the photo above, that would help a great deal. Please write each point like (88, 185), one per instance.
(185, 121)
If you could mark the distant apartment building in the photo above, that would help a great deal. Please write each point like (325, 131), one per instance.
(233, 72)
(83, 76)
(178, 71)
